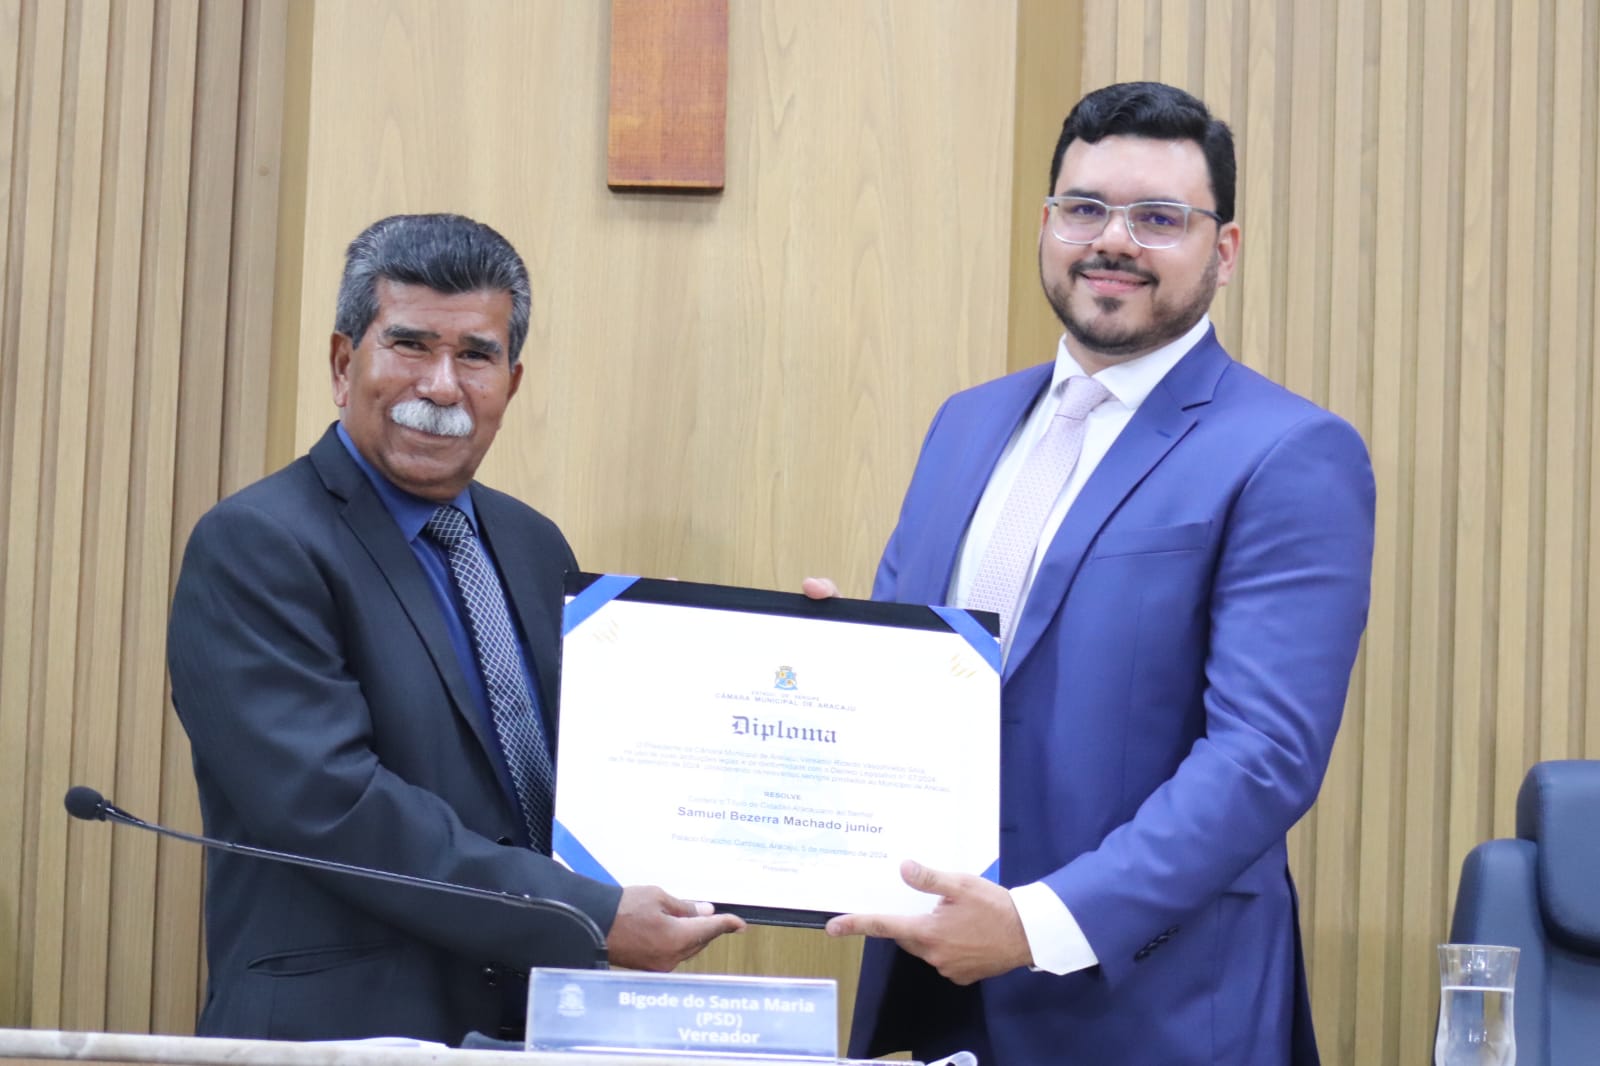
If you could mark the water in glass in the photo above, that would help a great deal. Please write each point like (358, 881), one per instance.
(1476, 1024)
(1476, 1027)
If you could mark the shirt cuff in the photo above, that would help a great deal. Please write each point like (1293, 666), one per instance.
(1054, 936)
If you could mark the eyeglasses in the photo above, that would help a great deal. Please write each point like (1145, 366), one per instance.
(1151, 223)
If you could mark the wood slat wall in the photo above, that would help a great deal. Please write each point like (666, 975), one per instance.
(1420, 194)
(138, 216)
(1420, 205)
(1049, 48)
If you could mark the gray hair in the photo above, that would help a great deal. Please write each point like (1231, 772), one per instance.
(447, 253)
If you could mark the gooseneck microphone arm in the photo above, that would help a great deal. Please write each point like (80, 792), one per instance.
(85, 803)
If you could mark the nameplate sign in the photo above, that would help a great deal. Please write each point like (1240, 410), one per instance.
(626, 1010)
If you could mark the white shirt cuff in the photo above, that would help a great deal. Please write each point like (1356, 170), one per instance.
(1054, 936)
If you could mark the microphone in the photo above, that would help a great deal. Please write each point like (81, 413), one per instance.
(85, 803)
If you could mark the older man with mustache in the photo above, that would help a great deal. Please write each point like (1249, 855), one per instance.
(363, 653)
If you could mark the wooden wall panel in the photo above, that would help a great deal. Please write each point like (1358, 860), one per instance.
(733, 389)
(729, 389)
(75, 745)
(128, 956)
(152, 222)
(1588, 703)
(12, 690)
(667, 108)
(1420, 205)
(1048, 74)
(20, 679)
(120, 330)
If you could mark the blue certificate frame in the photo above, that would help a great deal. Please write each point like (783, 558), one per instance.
(772, 754)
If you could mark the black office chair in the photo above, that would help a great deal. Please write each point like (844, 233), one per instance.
(1541, 893)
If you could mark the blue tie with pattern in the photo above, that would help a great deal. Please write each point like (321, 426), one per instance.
(516, 719)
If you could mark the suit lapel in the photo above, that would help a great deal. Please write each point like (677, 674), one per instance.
(375, 528)
(1166, 415)
(978, 447)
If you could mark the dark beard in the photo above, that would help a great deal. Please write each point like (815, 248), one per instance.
(1167, 323)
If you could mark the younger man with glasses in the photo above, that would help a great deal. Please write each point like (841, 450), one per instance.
(1180, 553)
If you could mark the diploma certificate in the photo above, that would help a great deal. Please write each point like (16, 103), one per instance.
(772, 754)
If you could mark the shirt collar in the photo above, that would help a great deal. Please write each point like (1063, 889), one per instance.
(410, 512)
(1132, 381)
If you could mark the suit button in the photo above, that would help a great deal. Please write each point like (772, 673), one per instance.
(491, 976)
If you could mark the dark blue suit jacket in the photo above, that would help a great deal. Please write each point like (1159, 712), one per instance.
(329, 715)
(1168, 710)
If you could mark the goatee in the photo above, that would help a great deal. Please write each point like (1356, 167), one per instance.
(1106, 338)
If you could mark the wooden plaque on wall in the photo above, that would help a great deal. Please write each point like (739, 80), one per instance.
(669, 94)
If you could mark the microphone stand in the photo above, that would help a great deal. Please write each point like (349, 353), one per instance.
(85, 803)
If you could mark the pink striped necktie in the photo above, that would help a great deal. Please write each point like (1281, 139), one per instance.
(998, 584)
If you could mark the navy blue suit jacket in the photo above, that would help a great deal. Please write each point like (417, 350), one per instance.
(1168, 709)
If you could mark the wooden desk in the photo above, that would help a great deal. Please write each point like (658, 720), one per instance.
(50, 1047)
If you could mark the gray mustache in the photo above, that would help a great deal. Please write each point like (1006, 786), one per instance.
(425, 416)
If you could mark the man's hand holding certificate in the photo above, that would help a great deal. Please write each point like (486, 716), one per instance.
(973, 931)
(776, 754)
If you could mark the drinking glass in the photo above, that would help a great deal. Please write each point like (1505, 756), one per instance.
(1476, 1024)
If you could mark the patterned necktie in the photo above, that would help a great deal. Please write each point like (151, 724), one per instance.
(998, 584)
(516, 719)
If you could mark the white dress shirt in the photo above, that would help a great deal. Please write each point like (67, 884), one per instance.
(1054, 936)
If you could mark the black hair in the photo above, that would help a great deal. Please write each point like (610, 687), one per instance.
(1163, 112)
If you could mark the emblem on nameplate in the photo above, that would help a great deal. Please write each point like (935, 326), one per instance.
(570, 1002)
